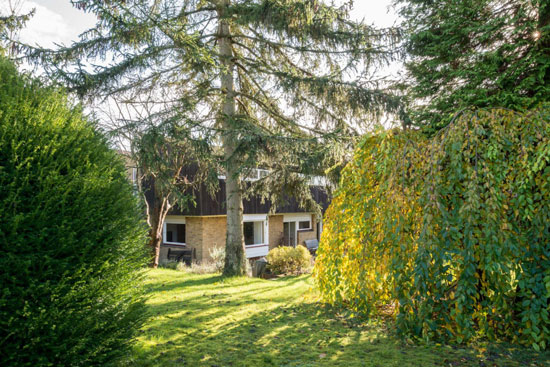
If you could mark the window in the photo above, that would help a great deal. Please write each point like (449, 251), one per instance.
(305, 224)
(175, 233)
(289, 233)
(134, 176)
(253, 233)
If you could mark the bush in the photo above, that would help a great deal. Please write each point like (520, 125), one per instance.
(452, 232)
(289, 260)
(218, 258)
(71, 238)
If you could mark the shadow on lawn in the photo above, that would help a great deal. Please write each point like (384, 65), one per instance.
(217, 328)
(174, 285)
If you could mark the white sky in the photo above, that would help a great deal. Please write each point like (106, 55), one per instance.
(58, 22)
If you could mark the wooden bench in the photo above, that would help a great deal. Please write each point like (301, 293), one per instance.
(185, 255)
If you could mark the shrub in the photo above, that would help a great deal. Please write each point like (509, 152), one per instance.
(218, 258)
(289, 260)
(71, 238)
(454, 232)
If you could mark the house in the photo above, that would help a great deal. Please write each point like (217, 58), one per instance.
(203, 227)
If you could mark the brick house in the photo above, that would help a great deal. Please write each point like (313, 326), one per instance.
(203, 226)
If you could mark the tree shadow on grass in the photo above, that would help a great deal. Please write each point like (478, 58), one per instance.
(271, 325)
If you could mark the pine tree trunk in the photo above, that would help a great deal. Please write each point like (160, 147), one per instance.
(235, 260)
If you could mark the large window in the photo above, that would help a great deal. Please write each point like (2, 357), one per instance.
(175, 233)
(253, 233)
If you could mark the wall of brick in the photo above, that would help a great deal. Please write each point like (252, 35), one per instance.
(275, 230)
(213, 235)
(311, 234)
(205, 233)
(193, 234)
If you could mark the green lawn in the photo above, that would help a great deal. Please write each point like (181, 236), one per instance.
(206, 320)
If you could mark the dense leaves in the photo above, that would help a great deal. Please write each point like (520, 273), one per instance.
(283, 85)
(482, 53)
(289, 260)
(450, 235)
(71, 238)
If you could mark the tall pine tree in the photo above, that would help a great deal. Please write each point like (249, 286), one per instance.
(475, 53)
(277, 84)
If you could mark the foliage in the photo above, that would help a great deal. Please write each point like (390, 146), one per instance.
(451, 234)
(218, 257)
(207, 320)
(169, 169)
(289, 260)
(481, 53)
(11, 22)
(71, 238)
(282, 85)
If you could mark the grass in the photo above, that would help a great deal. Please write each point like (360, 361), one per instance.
(206, 320)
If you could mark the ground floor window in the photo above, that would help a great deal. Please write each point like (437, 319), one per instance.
(253, 233)
(174, 233)
(289, 235)
(305, 224)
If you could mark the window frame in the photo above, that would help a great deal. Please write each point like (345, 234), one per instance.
(308, 228)
(263, 218)
(164, 231)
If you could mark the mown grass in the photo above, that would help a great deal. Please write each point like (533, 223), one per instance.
(206, 320)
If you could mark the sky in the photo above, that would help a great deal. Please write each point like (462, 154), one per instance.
(58, 22)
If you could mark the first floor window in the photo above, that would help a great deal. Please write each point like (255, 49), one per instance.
(175, 232)
(253, 233)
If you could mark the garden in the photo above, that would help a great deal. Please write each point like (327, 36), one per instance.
(209, 320)
(152, 151)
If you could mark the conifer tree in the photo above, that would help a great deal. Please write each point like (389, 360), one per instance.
(278, 84)
(475, 53)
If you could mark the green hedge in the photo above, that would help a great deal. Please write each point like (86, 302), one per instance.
(452, 233)
(71, 238)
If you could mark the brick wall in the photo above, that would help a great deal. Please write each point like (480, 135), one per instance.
(206, 233)
(213, 235)
(307, 234)
(275, 230)
(193, 234)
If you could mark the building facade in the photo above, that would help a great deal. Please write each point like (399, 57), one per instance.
(202, 227)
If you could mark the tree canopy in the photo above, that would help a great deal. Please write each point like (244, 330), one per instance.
(449, 235)
(475, 53)
(277, 84)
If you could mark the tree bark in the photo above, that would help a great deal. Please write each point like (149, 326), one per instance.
(235, 259)
(155, 218)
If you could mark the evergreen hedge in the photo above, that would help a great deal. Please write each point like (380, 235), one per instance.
(452, 234)
(71, 238)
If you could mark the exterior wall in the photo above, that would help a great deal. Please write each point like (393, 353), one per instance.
(213, 235)
(307, 234)
(275, 230)
(193, 235)
(205, 233)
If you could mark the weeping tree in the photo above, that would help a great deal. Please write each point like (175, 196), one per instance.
(284, 85)
(449, 235)
(481, 53)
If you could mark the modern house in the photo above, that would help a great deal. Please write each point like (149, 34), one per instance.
(203, 227)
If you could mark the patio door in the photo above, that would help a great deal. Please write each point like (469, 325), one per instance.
(289, 229)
